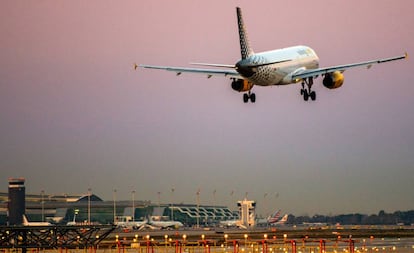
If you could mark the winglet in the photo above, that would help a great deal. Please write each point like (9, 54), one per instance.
(406, 55)
(135, 66)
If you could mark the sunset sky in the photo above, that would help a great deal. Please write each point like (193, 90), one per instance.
(75, 115)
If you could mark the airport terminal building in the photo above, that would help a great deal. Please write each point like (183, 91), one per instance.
(61, 209)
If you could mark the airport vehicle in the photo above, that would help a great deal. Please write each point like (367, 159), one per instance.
(26, 222)
(276, 67)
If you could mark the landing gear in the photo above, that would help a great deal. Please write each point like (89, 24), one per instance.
(249, 95)
(306, 93)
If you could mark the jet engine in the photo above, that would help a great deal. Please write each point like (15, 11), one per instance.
(333, 80)
(241, 85)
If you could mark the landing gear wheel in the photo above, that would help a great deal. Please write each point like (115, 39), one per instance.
(305, 95)
(245, 97)
(313, 96)
(253, 98)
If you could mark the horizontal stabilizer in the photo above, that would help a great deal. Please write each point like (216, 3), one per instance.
(214, 65)
(208, 72)
(264, 64)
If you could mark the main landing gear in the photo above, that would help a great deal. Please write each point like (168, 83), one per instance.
(306, 93)
(249, 95)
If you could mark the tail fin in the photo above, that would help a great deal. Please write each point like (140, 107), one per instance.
(25, 221)
(275, 217)
(245, 49)
(284, 219)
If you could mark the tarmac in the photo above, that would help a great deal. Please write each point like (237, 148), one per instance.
(264, 240)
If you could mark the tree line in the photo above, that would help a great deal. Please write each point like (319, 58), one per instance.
(382, 218)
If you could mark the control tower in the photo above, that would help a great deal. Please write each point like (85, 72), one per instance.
(247, 209)
(16, 205)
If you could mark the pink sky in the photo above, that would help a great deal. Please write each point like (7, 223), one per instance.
(74, 115)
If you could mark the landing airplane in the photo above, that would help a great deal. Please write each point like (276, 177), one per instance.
(277, 67)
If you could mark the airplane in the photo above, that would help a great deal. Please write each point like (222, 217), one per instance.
(284, 66)
(34, 223)
(280, 222)
(131, 224)
(274, 218)
(232, 223)
(127, 223)
(163, 224)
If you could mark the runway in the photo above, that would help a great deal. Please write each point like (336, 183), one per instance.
(265, 241)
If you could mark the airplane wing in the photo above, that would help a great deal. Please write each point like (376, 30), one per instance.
(342, 68)
(208, 72)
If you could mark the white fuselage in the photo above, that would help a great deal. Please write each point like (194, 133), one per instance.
(166, 224)
(276, 67)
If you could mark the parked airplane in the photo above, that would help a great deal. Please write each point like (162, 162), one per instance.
(232, 223)
(163, 224)
(277, 67)
(126, 222)
(34, 223)
(280, 222)
(138, 225)
(273, 220)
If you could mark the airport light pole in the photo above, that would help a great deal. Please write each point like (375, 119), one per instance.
(172, 203)
(43, 206)
(114, 197)
(231, 196)
(89, 206)
(198, 208)
(214, 205)
(133, 205)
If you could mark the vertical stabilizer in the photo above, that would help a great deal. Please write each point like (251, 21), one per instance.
(25, 220)
(245, 49)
